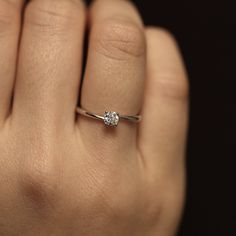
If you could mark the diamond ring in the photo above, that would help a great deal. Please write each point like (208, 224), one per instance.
(110, 118)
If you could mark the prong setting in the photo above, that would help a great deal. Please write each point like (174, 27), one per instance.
(111, 118)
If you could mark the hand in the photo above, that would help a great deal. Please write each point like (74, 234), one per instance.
(67, 175)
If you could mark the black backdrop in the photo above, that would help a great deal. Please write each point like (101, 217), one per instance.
(206, 31)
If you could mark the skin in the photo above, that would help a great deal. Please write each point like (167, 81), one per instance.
(62, 174)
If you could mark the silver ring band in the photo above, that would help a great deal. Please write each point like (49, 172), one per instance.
(110, 118)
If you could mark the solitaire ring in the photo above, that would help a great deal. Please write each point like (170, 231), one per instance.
(110, 118)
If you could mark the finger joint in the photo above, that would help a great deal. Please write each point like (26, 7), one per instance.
(56, 15)
(118, 39)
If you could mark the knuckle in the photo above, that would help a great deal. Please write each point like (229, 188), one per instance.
(173, 85)
(118, 39)
(57, 15)
(39, 180)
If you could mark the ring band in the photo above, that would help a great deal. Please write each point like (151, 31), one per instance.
(110, 118)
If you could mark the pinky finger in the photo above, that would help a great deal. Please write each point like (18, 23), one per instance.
(165, 108)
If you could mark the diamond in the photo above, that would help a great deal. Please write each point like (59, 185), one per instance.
(111, 118)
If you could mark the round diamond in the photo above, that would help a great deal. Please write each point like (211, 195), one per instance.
(111, 118)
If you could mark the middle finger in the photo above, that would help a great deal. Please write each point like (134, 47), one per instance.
(50, 62)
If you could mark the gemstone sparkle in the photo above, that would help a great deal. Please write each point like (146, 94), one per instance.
(111, 118)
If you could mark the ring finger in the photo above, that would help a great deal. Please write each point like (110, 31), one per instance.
(115, 70)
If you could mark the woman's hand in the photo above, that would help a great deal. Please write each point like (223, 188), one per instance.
(67, 175)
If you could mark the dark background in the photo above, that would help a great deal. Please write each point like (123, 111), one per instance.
(206, 32)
